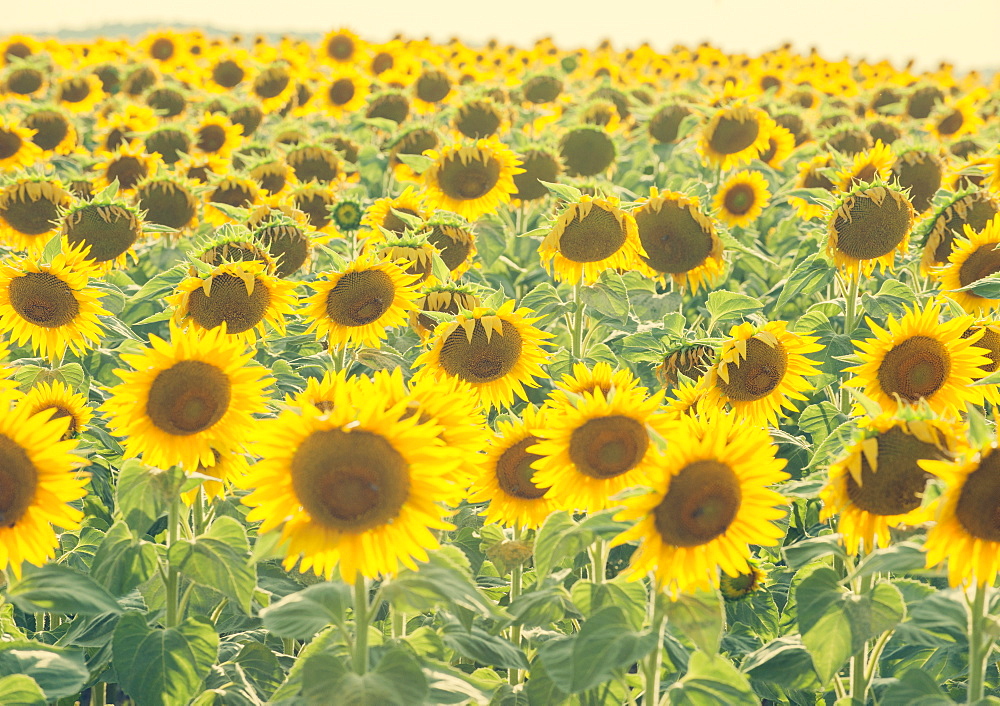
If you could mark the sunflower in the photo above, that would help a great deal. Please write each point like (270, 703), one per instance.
(415, 140)
(811, 176)
(344, 93)
(167, 101)
(735, 135)
(232, 244)
(918, 358)
(974, 257)
(679, 240)
(103, 230)
(340, 46)
(169, 142)
(315, 201)
(443, 298)
(872, 165)
(215, 134)
(959, 118)
(228, 467)
(354, 488)
(761, 369)
(273, 87)
(358, 306)
(505, 479)
(54, 130)
(587, 150)
(539, 164)
(431, 88)
(987, 335)
(972, 208)
(248, 116)
(744, 584)
(780, 144)
(24, 80)
(286, 234)
(587, 381)
(29, 212)
(849, 140)
(922, 101)
(168, 201)
(867, 227)
(345, 214)
(472, 179)
(497, 351)
(235, 191)
(479, 118)
(589, 237)
(81, 94)
(18, 46)
(708, 502)
(380, 213)
(886, 129)
(455, 241)
(38, 482)
(240, 295)
(226, 71)
(313, 162)
(128, 164)
(52, 305)
(541, 88)
(690, 360)
(389, 105)
(58, 400)
(664, 125)
(16, 146)
(922, 172)
(597, 446)
(879, 482)
(742, 198)
(186, 398)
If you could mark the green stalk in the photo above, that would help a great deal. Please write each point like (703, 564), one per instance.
(360, 625)
(598, 561)
(398, 623)
(199, 511)
(859, 662)
(979, 648)
(851, 304)
(99, 694)
(516, 575)
(577, 332)
(173, 576)
(288, 646)
(655, 660)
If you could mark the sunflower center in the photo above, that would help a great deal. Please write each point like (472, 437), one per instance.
(975, 210)
(593, 237)
(18, 481)
(288, 245)
(341, 91)
(990, 341)
(360, 298)
(395, 223)
(315, 205)
(227, 73)
(230, 303)
(675, 240)
(127, 170)
(43, 299)
(982, 262)
(248, 117)
(701, 503)
(867, 228)
(107, 230)
(74, 90)
(382, 62)
(759, 374)
(310, 163)
(481, 360)
(607, 447)
(272, 82)
(10, 143)
(538, 166)
(478, 120)
(188, 397)
(453, 243)
(233, 194)
(340, 47)
(732, 135)
(433, 86)
(914, 368)
(951, 123)
(391, 106)
(542, 89)
(211, 138)
(897, 486)
(921, 173)
(739, 199)
(30, 217)
(25, 81)
(514, 470)
(468, 180)
(350, 481)
(50, 128)
(978, 506)
(169, 143)
(162, 49)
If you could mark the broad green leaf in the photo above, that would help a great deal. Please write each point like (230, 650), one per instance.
(218, 560)
(914, 688)
(56, 588)
(901, 556)
(988, 287)
(558, 542)
(563, 191)
(590, 597)
(542, 607)
(545, 301)
(824, 622)
(785, 662)
(22, 690)
(483, 648)
(440, 581)
(57, 671)
(801, 553)
(711, 679)
(122, 560)
(699, 616)
(417, 162)
(261, 667)
(451, 686)
(819, 420)
(723, 305)
(143, 493)
(808, 277)
(396, 680)
(609, 296)
(301, 615)
(163, 666)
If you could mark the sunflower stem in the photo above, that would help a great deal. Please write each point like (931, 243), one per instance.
(577, 332)
(851, 305)
(360, 624)
(516, 575)
(859, 662)
(199, 511)
(598, 561)
(288, 646)
(99, 694)
(398, 623)
(979, 647)
(39, 622)
(655, 659)
(173, 577)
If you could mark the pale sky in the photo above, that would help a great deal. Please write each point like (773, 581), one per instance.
(961, 31)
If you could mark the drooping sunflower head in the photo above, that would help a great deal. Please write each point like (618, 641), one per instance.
(383, 213)
(412, 252)
(708, 501)
(170, 101)
(922, 172)
(128, 164)
(922, 101)
(868, 166)
(812, 174)
(168, 200)
(679, 240)
(389, 104)
(30, 209)
(974, 257)
(539, 164)
(887, 130)
(743, 585)
(868, 227)
(231, 190)
(414, 140)
(742, 198)
(917, 358)
(542, 88)
(471, 179)
(58, 401)
(105, 230)
(497, 351)
(432, 87)
(664, 125)
(587, 150)
(16, 146)
(55, 132)
(849, 139)
(249, 116)
(313, 162)
(795, 122)
(441, 298)
(589, 237)
(287, 235)
(232, 244)
(168, 141)
(691, 361)
(879, 483)
(454, 238)
(735, 135)
(478, 118)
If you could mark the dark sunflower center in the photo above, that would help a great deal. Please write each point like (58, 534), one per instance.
(211, 138)
(288, 245)
(127, 170)
(477, 120)
(227, 73)
(18, 481)
(978, 506)
(538, 166)
(167, 102)
(897, 486)
(914, 368)
(665, 124)
(51, 128)
(188, 397)
(25, 81)
(232, 194)
(740, 199)
(16, 50)
(340, 47)
(109, 231)
(607, 447)
(542, 89)
(433, 86)
(248, 117)
(453, 243)
(74, 90)
(772, 148)
(514, 470)
(587, 151)
(951, 123)
(166, 203)
(27, 216)
(310, 163)
(814, 180)
(341, 91)
(271, 82)
(391, 106)
(360, 298)
(921, 173)
(466, 181)
(851, 142)
(481, 360)
(229, 302)
(592, 238)
(975, 210)
(169, 143)
(867, 229)
(350, 481)
(674, 240)
(162, 49)
(983, 262)
(10, 143)
(395, 223)
(382, 62)
(700, 505)
(758, 375)
(316, 207)
(732, 135)
(43, 299)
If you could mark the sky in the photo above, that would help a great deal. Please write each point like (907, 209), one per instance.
(961, 31)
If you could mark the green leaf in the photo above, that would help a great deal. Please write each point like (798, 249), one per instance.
(57, 671)
(824, 622)
(122, 560)
(163, 666)
(218, 560)
(261, 666)
(723, 305)
(808, 277)
(914, 688)
(988, 287)
(630, 596)
(711, 679)
(819, 420)
(899, 557)
(301, 615)
(785, 662)
(980, 433)
(417, 162)
(699, 616)
(144, 492)
(558, 542)
(545, 301)
(440, 581)
(22, 690)
(608, 296)
(892, 298)
(801, 553)
(563, 191)
(57, 588)
(542, 607)
(397, 680)
(483, 648)
(605, 644)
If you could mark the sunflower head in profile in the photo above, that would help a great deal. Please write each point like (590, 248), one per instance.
(53, 305)
(316, 201)
(498, 352)
(879, 483)
(231, 243)
(412, 252)
(922, 172)
(589, 237)
(16, 146)
(58, 400)
(974, 257)
(286, 233)
(888, 130)
(249, 116)
(587, 150)
(742, 198)
(688, 360)
(186, 398)
(917, 358)
(868, 166)
(39, 480)
(384, 212)
(54, 130)
(169, 200)
(679, 240)
(454, 238)
(356, 307)
(313, 162)
(708, 501)
(440, 298)
(812, 174)
(128, 164)
(431, 88)
(104, 230)
(391, 104)
(973, 208)
(540, 164)
(414, 140)
(241, 295)
(542, 88)
(354, 488)
(848, 139)
(30, 208)
(505, 477)
(169, 101)
(743, 585)
(169, 141)
(228, 466)
(735, 135)
(471, 179)
(595, 446)
(868, 227)
(761, 370)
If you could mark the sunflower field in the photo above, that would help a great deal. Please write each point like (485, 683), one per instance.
(407, 373)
